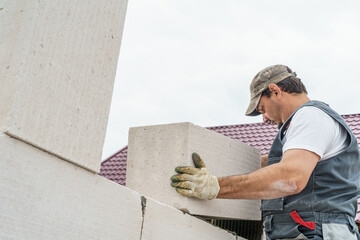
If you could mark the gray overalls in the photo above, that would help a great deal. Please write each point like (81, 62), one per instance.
(326, 208)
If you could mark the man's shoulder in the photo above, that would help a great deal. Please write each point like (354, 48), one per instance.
(311, 113)
(313, 119)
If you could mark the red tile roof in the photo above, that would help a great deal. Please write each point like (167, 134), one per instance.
(114, 167)
(258, 135)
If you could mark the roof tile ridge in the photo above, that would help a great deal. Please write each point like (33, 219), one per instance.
(350, 115)
(235, 125)
(113, 155)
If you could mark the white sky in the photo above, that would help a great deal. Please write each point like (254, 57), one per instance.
(193, 61)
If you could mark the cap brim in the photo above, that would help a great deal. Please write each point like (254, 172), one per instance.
(251, 110)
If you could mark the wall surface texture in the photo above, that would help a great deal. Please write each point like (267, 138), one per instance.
(57, 69)
(43, 197)
(164, 222)
(155, 151)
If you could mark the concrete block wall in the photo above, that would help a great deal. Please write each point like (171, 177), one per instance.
(57, 69)
(164, 222)
(154, 152)
(44, 197)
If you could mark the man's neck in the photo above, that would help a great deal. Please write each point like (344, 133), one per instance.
(293, 102)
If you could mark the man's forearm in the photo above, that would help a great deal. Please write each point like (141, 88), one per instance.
(264, 160)
(265, 183)
(287, 177)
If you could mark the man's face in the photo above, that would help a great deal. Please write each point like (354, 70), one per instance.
(270, 111)
(267, 120)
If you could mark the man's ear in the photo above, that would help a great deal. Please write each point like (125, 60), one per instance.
(275, 89)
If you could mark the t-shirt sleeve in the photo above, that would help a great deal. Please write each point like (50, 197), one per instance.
(310, 129)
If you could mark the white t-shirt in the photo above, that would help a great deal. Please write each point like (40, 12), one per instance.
(314, 130)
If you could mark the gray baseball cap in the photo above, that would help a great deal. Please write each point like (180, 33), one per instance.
(261, 81)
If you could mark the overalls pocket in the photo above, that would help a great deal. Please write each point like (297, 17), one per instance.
(283, 231)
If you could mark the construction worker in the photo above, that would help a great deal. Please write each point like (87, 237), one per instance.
(310, 185)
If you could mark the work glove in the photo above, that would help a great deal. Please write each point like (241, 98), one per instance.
(195, 181)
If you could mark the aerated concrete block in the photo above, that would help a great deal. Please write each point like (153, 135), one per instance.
(164, 222)
(154, 152)
(43, 197)
(57, 68)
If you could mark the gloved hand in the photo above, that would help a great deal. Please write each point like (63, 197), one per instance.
(195, 182)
